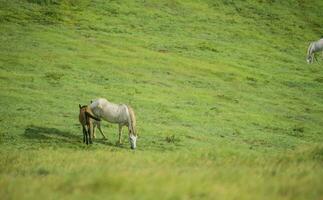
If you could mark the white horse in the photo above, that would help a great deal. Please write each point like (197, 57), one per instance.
(116, 113)
(312, 49)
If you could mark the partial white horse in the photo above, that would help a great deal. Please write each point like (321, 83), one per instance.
(116, 113)
(312, 49)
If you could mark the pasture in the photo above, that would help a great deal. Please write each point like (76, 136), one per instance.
(226, 105)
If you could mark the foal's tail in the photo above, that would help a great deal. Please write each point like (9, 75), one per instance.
(132, 120)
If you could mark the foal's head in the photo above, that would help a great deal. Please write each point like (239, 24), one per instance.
(82, 107)
(82, 117)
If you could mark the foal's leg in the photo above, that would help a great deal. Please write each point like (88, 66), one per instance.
(120, 133)
(85, 139)
(84, 133)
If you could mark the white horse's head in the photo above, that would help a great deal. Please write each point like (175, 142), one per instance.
(133, 140)
(309, 59)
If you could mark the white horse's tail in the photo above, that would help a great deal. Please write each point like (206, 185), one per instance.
(132, 120)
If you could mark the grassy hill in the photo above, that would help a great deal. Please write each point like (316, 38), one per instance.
(226, 106)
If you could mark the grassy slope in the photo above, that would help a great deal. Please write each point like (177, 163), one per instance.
(225, 82)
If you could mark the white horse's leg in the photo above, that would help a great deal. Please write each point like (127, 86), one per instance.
(90, 132)
(315, 57)
(99, 127)
(94, 125)
(120, 133)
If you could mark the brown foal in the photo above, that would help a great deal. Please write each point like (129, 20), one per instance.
(85, 118)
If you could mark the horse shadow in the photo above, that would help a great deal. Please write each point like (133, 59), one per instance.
(55, 136)
(46, 134)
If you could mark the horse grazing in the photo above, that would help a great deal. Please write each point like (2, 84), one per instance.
(312, 49)
(86, 122)
(116, 113)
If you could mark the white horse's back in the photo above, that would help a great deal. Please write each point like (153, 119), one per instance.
(111, 112)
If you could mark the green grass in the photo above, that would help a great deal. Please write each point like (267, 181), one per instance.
(226, 106)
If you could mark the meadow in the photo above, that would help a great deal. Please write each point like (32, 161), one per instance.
(226, 105)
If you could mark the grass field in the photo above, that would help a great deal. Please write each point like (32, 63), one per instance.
(226, 105)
